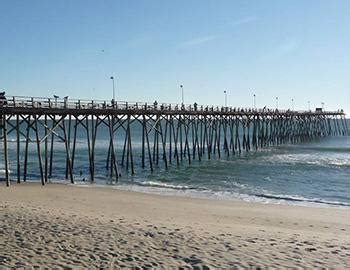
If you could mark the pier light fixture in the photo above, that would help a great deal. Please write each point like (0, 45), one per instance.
(292, 104)
(225, 98)
(56, 97)
(308, 105)
(112, 78)
(276, 102)
(65, 101)
(254, 96)
(182, 93)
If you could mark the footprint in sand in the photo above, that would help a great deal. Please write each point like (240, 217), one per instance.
(310, 249)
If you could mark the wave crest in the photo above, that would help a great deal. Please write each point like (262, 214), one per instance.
(301, 199)
(163, 185)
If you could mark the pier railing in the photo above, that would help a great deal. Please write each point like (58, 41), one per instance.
(81, 104)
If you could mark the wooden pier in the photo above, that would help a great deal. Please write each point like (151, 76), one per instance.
(170, 133)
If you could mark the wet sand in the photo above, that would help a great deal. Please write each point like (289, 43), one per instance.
(80, 227)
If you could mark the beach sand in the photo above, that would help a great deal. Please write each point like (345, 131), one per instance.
(91, 227)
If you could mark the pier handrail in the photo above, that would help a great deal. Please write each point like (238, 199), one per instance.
(67, 103)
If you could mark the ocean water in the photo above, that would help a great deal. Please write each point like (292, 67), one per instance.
(312, 173)
(315, 173)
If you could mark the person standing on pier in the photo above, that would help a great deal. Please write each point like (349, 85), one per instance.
(3, 100)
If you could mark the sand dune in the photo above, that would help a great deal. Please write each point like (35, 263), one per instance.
(67, 226)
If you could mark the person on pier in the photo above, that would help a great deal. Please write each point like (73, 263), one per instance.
(3, 100)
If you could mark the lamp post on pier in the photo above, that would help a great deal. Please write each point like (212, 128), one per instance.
(292, 104)
(225, 98)
(254, 96)
(276, 102)
(56, 97)
(112, 78)
(308, 105)
(65, 101)
(182, 94)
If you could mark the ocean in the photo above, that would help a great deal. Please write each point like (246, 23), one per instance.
(311, 173)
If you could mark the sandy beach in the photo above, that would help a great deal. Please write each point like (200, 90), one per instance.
(91, 227)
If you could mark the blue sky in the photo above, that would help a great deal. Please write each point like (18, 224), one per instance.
(290, 49)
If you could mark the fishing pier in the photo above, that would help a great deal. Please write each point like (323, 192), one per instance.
(169, 134)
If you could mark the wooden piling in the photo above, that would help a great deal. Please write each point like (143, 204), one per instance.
(18, 149)
(39, 149)
(7, 174)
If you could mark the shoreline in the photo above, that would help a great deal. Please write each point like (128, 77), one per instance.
(158, 188)
(66, 225)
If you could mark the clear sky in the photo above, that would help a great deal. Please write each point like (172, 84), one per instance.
(290, 49)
